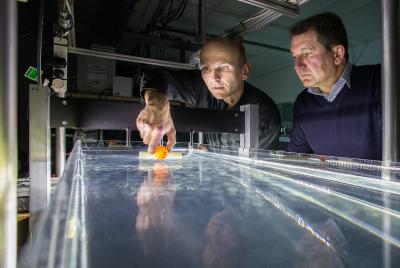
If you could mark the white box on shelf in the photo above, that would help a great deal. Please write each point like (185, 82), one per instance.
(122, 86)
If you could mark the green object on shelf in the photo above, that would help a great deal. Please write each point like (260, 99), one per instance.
(31, 73)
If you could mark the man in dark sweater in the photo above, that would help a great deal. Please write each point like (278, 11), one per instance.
(339, 112)
(220, 85)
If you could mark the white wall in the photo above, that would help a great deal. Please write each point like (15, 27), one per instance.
(281, 85)
(368, 53)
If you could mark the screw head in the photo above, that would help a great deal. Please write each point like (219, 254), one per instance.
(236, 114)
(64, 122)
(236, 130)
(64, 102)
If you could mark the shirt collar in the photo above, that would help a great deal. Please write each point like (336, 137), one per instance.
(337, 87)
(346, 74)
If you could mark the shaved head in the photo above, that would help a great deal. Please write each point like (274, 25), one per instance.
(228, 45)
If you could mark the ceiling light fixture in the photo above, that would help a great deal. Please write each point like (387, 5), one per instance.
(285, 8)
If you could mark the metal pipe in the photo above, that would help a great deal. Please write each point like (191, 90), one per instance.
(182, 31)
(60, 151)
(8, 133)
(159, 41)
(390, 80)
(122, 57)
(39, 44)
(128, 137)
(72, 36)
(60, 50)
(191, 139)
(200, 138)
(201, 21)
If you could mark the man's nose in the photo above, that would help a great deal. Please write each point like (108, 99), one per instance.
(299, 62)
(216, 74)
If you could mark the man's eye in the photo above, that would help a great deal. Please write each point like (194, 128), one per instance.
(205, 69)
(224, 68)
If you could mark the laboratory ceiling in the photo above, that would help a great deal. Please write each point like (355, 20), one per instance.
(123, 24)
(168, 29)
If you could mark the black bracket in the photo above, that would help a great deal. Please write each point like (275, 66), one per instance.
(108, 114)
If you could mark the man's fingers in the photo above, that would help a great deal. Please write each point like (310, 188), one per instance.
(140, 124)
(140, 120)
(147, 138)
(155, 138)
(171, 135)
(142, 132)
(146, 133)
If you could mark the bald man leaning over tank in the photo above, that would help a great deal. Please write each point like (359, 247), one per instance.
(220, 85)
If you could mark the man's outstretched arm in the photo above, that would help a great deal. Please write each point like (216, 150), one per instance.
(155, 121)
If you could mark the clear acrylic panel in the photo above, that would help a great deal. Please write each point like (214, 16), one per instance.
(218, 207)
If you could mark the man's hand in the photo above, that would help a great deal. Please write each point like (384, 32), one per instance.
(154, 121)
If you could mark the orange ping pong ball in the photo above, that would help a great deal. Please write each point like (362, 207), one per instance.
(161, 152)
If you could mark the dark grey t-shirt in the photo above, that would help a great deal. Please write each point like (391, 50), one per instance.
(188, 87)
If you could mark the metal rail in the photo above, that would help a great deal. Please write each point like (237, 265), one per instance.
(122, 57)
(390, 80)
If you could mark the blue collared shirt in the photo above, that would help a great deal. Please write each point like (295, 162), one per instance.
(337, 87)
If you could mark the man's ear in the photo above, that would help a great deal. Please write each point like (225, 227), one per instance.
(245, 71)
(338, 53)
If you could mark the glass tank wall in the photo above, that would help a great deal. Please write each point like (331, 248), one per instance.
(213, 208)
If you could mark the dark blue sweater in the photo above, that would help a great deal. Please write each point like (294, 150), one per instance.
(350, 126)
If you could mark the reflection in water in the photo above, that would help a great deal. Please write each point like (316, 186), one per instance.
(224, 241)
(310, 252)
(155, 199)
